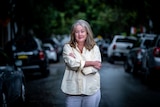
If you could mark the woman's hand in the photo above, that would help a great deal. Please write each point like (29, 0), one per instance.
(97, 65)
(72, 55)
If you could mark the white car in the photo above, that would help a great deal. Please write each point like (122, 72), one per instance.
(119, 47)
(50, 51)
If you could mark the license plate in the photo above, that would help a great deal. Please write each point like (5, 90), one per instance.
(22, 57)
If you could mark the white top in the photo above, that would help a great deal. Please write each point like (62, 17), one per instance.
(77, 79)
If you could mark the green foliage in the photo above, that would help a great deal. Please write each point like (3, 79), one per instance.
(105, 19)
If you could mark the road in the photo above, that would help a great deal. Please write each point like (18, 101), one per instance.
(119, 89)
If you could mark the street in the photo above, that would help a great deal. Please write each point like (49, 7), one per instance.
(118, 88)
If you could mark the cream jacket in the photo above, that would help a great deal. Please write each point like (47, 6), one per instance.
(78, 79)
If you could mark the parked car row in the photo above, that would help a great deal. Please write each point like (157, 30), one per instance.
(144, 58)
(57, 47)
(151, 60)
(31, 55)
(134, 58)
(12, 83)
(140, 54)
(26, 54)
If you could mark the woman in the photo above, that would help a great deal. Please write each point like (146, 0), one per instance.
(81, 80)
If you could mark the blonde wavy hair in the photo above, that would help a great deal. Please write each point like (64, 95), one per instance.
(89, 43)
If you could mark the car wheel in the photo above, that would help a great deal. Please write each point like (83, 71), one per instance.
(45, 72)
(134, 70)
(22, 98)
(127, 67)
(110, 60)
(23, 93)
(4, 101)
(58, 59)
(147, 76)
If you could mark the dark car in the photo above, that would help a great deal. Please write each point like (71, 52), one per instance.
(133, 62)
(30, 53)
(151, 60)
(104, 47)
(12, 83)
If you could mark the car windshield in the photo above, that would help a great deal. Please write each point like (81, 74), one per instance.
(46, 48)
(144, 43)
(127, 40)
(26, 44)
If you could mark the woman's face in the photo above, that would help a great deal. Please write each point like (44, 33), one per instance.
(80, 34)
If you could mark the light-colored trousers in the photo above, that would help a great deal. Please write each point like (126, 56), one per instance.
(83, 100)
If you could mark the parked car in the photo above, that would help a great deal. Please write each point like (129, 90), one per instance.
(151, 60)
(119, 47)
(12, 82)
(133, 62)
(50, 51)
(56, 46)
(29, 51)
(104, 47)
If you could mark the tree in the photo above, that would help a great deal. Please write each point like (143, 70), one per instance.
(107, 17)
